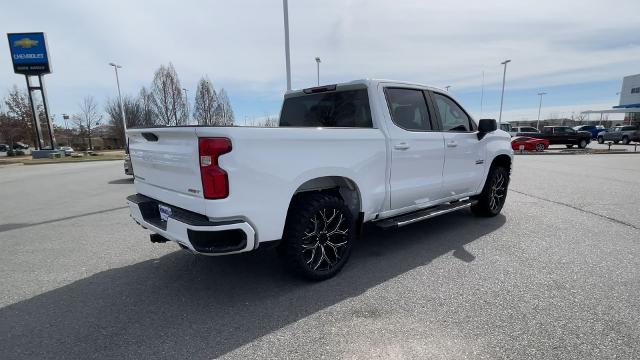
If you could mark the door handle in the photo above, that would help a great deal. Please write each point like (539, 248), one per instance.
(401, 146)
(452, 144)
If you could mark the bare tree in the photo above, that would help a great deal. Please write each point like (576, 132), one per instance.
(132, 111)
(145, 99)
(169, 104)
(206, 103)
(580, 118)
(19, 115)
(88, 117)
(269, 121)
(224, 112)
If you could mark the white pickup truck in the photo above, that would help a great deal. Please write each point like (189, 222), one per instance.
(379, 151)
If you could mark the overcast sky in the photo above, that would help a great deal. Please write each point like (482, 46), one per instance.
(577, 51)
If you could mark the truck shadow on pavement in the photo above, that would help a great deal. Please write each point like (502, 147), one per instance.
(183, 306)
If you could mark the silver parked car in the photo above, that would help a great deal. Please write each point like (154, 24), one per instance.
(68, 150)
(624, 133)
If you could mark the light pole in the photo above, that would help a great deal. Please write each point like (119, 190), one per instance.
(482, 94)
(318, 66)
(186, 100)
(285, 8)
(124, 119)
(540, 108)
(447, 87)
(504, 76)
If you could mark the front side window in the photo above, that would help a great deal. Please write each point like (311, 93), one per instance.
(408, 109)
(348, 108)
(451, 115)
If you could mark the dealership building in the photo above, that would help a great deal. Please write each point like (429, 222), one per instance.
(629, 103)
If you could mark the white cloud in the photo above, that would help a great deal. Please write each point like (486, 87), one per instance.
(239, 44)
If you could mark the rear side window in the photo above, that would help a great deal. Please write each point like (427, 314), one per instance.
(408, 108)
(348, 108)
(453, 118)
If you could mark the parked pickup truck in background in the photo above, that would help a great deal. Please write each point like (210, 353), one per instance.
(386, 152)
(564, 135)
(593, 129)
(624, 133)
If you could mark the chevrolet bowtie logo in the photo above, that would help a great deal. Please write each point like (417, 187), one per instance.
(25, 43)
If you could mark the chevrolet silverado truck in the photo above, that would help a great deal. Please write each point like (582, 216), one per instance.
(368, 151)
(564, 135)
(624, 133)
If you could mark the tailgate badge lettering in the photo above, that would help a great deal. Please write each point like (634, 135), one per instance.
(194, 191)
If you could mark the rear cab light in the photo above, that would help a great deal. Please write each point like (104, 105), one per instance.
(215, 182)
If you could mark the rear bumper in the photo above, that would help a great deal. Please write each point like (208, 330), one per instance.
(192, 230)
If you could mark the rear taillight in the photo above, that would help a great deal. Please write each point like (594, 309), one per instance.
(215, 183)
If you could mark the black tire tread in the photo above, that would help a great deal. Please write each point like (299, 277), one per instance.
(303, 207)
(481, 207)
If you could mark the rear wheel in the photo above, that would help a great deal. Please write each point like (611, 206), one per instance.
(491, 199)
(539, 147)
(625, 140)
(600, 140)
(317, 237)
(583, 144)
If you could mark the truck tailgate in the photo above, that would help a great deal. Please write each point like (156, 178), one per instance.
(166, 165)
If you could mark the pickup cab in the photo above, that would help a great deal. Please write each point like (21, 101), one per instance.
(367, 151)
(564, 135)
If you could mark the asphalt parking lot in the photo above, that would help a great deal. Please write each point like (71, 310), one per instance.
(554, 276)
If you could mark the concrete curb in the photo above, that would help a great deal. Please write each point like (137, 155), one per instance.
(579, 153)
(10, 165)
(71, 162)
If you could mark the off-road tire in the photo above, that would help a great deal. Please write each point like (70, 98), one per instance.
(318, 236)
(485, 206)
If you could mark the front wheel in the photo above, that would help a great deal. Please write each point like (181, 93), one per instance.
(318, 236)
(625, 140)
(582, 144)
(539, 147)
(494, 193)
(600, 140)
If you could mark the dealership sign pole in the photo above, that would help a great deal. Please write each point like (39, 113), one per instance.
(30, 58)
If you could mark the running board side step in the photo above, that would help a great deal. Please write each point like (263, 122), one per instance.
(413, 217)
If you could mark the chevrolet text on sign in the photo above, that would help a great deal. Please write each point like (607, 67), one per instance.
(29, 53)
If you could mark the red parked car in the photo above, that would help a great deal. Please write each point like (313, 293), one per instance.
(530, 144)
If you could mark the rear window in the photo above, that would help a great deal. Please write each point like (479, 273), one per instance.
(348, 108)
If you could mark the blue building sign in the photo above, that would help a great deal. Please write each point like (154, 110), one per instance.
(29, 53)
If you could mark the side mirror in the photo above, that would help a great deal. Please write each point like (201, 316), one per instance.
(486, 126)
